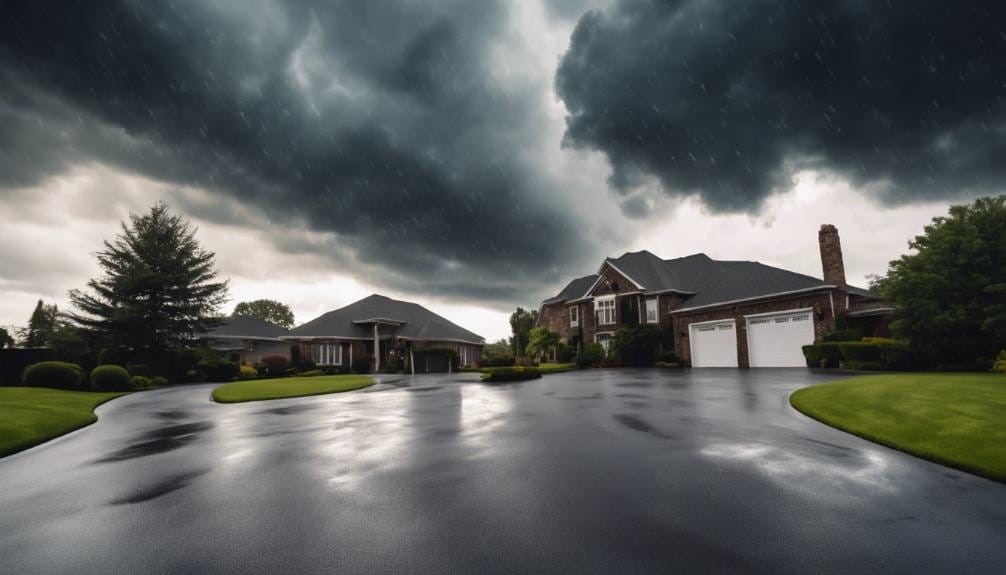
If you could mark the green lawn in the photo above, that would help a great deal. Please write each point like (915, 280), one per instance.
(543, 368)
(957, 419)
(33, 415)
(547, 368)
(288, 387)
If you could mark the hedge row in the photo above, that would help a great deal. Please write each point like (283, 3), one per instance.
(877, 354)
(512, 374)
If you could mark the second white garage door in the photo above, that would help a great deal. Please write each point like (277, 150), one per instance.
(777, 340)
(714, 344)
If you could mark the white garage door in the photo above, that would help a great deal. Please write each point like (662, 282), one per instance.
(776, 340)
(713, 344)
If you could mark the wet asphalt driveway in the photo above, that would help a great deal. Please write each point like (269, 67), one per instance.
(599, 471)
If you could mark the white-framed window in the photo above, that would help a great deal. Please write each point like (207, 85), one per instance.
(574, 316)
(605, 340)
(604, 310)
(652, 311)
(326, 354)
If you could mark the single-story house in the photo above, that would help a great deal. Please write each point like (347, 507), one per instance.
(249, 337)
(399, 331)
(720, 313)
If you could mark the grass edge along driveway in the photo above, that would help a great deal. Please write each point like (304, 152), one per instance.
(285, 387)
(956, 419)
(33, 415)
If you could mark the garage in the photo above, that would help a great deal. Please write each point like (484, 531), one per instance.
(713, 343)
(776, 339)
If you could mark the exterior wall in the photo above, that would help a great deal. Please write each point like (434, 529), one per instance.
(263, 348)
(822, 318)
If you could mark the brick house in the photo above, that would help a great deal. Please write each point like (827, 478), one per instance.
(248, 337)
(397, 330)
(720, 313)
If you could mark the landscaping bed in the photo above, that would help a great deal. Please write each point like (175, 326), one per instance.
(30, 416)
(257, 390)
(957, 419)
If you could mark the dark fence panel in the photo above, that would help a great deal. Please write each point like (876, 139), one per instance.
(14, 360)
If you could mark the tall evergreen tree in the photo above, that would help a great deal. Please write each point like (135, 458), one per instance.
(40, 325)
(521, 322)
(159, 288)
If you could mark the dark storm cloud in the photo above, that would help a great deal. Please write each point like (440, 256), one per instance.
(382, 122)
(726, 99)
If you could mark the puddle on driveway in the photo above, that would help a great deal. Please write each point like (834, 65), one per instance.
(162, 487)
(159, 440)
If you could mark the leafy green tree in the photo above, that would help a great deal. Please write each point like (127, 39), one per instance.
(268, 310)
(950, 295)
(540, 340)
(159, 288)
(40, 325)
(497, 354)
(521, 322)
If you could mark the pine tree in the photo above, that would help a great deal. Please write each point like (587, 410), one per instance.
(158, 291)
(40, 325)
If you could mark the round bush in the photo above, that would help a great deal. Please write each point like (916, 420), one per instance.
(55, 374)
(142, 382)
(274, 364)
(158, 381)
(248, 372)
(111, 378)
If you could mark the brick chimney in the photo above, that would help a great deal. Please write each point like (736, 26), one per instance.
(831, 255)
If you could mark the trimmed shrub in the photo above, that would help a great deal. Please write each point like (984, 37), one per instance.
(54, 374)
(159, 381)
(565, 354)
(861, 351)
(590, 354)
(866, 365)
(135, 369)
(247, 372)
(111, 378)
(215, 369)
(825, 354)
(273, 365)
(498, 354)
(848, 334)
(517, 373)
(141, 382)
(312, 373)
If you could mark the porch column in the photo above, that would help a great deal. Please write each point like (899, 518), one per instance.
(351, 355)
(377, 350)
(412, 360)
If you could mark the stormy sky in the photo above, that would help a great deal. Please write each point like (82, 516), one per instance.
(473, 156)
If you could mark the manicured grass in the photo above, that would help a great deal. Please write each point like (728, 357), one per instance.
(547, 368)
(957, 419)
(543, 368)
(288, 387)
(33, 415)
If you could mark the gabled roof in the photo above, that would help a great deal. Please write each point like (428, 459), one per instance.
(245, 327)
(354, 321)
(574, 289)
(702, 280)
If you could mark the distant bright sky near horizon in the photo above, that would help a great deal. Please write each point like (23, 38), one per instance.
(473, 157)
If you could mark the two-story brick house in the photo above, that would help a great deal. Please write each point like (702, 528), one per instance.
(720, 313)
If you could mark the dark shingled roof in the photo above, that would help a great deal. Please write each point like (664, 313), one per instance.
(246, 327)
(574, 289)
(419, 322)
(703, 280)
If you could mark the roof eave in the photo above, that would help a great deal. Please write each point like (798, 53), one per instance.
(755, 298)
